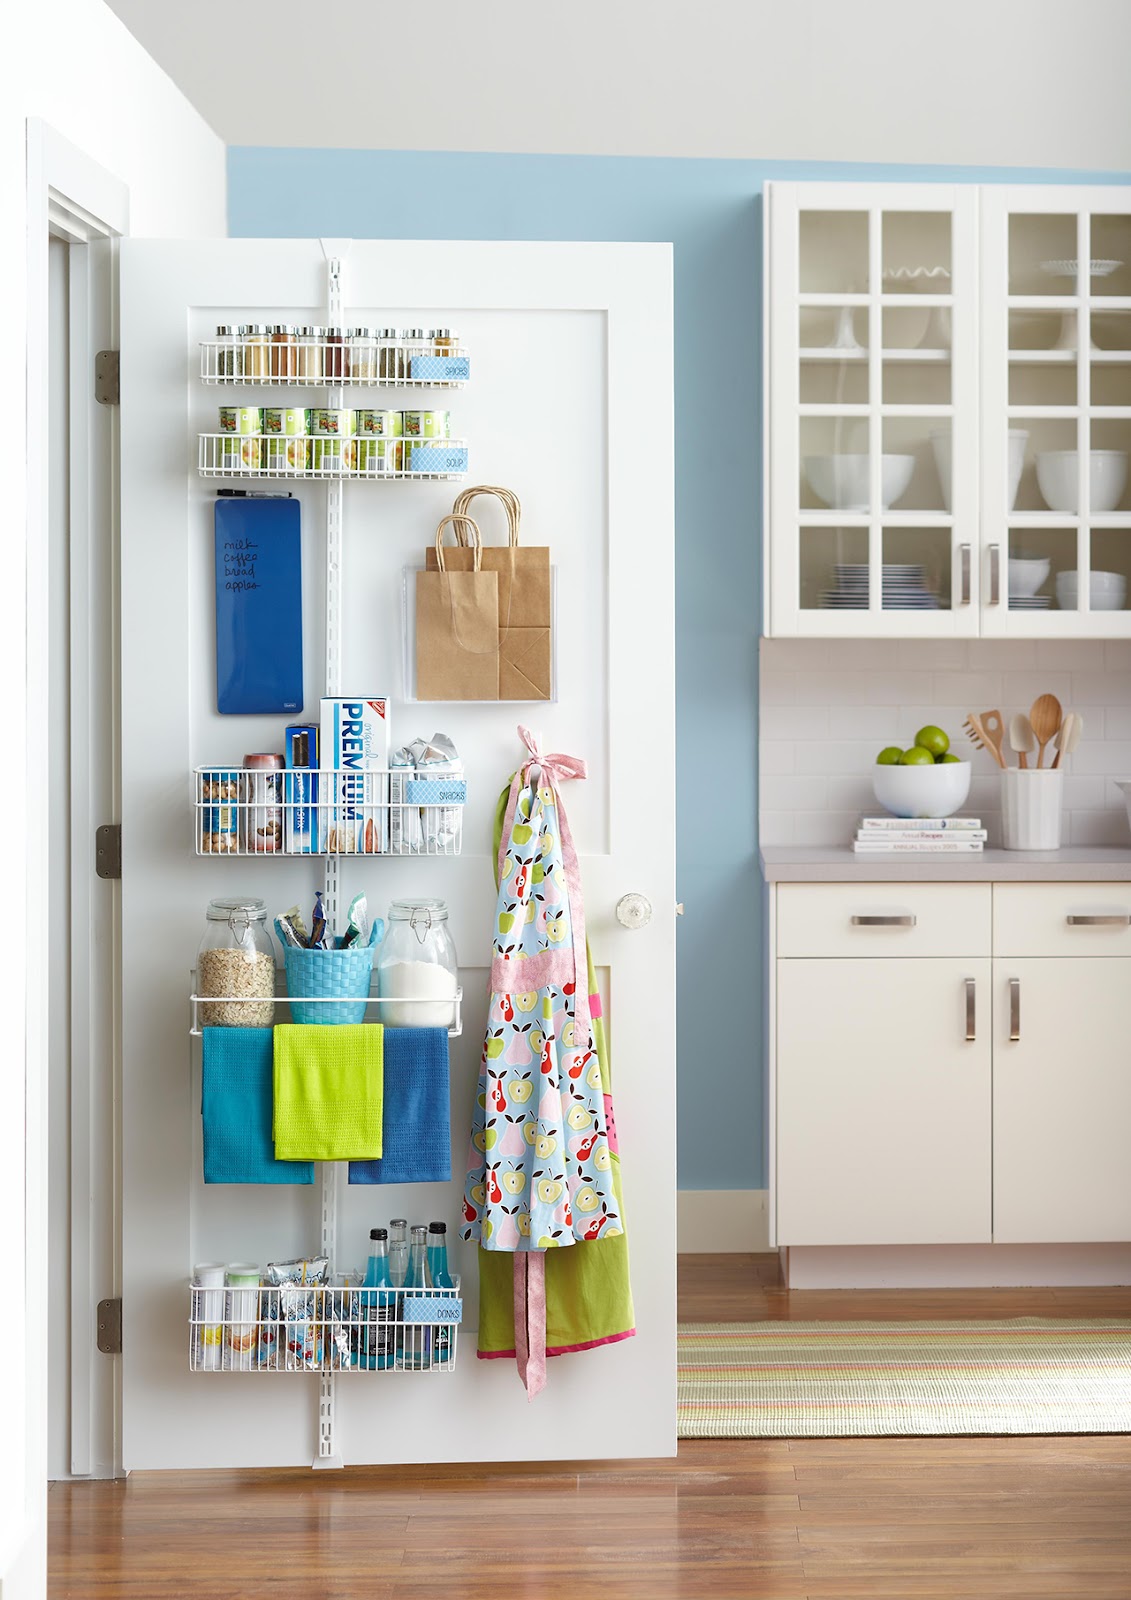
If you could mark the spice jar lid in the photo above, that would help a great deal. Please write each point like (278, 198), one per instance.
(444, 333)
(256, 328)
(335, 333)
(425, 911)
(386, 333)
(224, 910)
(226, 330)
(361, 333)
(264, 761)
(282, 327)
(414, 333)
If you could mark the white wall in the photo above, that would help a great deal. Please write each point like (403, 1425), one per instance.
(829, 706)
(985, 82)
(72, 64)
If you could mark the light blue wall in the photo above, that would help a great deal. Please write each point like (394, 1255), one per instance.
(711, 212)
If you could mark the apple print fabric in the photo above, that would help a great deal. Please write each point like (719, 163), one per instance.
(539, 1169)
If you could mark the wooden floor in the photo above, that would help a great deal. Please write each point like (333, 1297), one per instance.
(826, 1519)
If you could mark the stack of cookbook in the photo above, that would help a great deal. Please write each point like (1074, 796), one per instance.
(919, 836)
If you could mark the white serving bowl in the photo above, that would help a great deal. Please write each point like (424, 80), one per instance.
(937, 791)
(1107, 590)
(841, 481)
(1057, 479)
(940, 444)
(1026, 574)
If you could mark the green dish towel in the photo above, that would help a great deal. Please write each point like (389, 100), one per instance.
(329, 1091)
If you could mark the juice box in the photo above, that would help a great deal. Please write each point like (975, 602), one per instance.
(354, 746)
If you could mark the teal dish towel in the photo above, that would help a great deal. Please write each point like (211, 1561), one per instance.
(237, 1105)
(416, 1137)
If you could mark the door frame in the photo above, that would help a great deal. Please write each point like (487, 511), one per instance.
(69, 196)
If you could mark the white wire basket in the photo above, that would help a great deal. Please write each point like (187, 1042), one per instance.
(392, 811)
(345, 1328)
(259, 1010)
(301, 457)
(315, 364)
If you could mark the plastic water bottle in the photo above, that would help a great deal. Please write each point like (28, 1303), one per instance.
(376, 1346)
(416, 1337)
(441, 1279)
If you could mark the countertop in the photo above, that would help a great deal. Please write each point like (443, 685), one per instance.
(801, 863)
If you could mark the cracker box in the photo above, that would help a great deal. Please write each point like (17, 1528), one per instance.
(354, 746)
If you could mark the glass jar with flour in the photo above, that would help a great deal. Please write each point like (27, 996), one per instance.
(417, 970)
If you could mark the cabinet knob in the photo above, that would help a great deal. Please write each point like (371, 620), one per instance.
(634, 911)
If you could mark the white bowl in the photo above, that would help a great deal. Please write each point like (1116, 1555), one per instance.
(940, 444)
(1057, 479)
(937, 791)
(842, 481)
(1026, 574)
(1107, 590)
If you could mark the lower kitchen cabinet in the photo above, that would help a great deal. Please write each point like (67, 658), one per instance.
(926, 1093)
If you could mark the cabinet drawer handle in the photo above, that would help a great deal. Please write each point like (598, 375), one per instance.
(1116, 920)
(1014, 1010)
(995, 574)
(971, 1031)
(964, 568)
(884, 922)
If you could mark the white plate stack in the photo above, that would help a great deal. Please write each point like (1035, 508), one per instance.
(902, 588)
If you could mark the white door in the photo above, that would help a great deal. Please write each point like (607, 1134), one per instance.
(872, 410)
(569, 404)
(1056, 393)
(1062, 1100)
(883, 1101)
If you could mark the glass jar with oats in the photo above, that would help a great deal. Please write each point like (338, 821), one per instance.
(235, 966)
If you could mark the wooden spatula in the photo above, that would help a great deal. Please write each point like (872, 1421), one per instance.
(976, 732)
(1045, 716)
(993, 730)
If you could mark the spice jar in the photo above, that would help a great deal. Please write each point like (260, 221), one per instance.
(363, 355)
(283, 352)
(335, 355)
(417, 343)
(256, 351)
(445, 342)
(228, 363)
(390, 367)
(235, 962)
(417, 970)
(309, 353)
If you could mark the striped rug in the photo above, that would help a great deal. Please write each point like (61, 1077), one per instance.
(774, 1380)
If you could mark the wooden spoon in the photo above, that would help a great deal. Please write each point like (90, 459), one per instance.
(993, 729)
(1046, 716)
(1069, 735)
(1021, 738)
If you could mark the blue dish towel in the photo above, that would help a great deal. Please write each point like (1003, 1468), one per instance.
(416, 1141)
(237, 1105)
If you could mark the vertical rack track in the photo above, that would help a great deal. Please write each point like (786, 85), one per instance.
(328, 1453)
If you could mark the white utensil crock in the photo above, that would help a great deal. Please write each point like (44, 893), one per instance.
(1031, 804)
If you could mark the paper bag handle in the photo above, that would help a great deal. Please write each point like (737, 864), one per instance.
(459, 521)
(510, 501)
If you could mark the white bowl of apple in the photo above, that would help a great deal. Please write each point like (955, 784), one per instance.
(924, 780)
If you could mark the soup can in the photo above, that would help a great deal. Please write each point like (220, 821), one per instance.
(239, 452)
(427, 424)
(381, 424)
(330, 422)
(241, 419)
(377, 456)
(290, 420)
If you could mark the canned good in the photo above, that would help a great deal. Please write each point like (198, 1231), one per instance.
(263, 796)
(382, 424)
(219, 819)
(285, 452)
(375, 456)
(285, 419)
(241, 419)
(239, 452)
(427, 425)
(329, 421)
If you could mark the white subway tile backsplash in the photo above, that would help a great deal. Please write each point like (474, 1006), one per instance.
(829, 706)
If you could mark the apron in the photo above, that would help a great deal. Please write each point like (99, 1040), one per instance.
(540, 1173)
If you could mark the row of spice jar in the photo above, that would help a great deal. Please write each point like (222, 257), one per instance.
(334, 355)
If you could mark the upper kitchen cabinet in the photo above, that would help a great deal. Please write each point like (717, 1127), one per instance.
(933, 393)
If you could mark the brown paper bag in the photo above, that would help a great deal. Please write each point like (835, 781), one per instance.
(525, 621)
(457, 625)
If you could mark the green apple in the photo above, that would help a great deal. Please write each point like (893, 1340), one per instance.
(889, 756)
(917, 756)
(947, 757)
(522, 833)
(933, 739)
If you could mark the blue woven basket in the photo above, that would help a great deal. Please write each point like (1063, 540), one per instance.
(337, 974)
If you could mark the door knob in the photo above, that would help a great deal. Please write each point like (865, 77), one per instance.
(634, 910)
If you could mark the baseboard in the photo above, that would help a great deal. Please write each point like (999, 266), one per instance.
(722, 1221)
(945, 1266)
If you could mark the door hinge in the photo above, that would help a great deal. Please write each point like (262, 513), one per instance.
(108, 850)
(107, 383)
(110, 1327)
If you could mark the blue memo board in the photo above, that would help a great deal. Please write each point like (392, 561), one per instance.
(258, 606)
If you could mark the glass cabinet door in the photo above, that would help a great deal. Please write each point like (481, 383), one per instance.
(1056, 437)
(872, 401)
